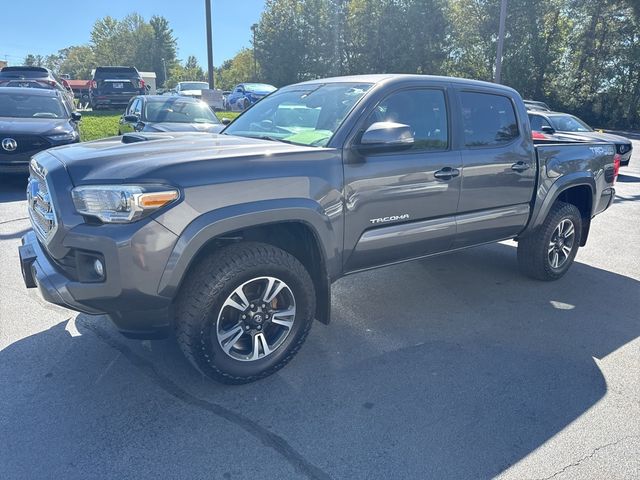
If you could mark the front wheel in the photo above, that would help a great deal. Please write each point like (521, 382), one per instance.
(548, 253)
(244, 312)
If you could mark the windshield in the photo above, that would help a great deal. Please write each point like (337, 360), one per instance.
(301, 114)
(569, 123)
(171, 110)
(31, 106)
(194, 86)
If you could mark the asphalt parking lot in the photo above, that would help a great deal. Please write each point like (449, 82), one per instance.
(456, 367)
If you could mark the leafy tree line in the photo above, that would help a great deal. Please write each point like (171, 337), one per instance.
(149, 46)
(579, 55)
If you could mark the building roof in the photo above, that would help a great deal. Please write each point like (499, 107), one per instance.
(78, 83)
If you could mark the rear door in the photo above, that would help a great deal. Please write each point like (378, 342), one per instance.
(399, 204)
(499, 170)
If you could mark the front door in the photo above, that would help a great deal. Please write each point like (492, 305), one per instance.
(402, 204)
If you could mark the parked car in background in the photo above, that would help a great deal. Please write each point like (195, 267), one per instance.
(536, 105)
(246, 94)
(159, 113)
(114, 86)
(33, 77)
(566, 126)
(225, 97)
(32, 120)
(190, 89)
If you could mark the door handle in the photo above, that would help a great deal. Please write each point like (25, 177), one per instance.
(520, 166)
(447, 173)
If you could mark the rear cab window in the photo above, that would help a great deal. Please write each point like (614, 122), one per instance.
(488, 119)
(115, 72)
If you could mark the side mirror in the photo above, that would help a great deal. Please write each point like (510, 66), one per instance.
(131, 118)
(387, 135)
(226, 121)
(76, 116)
(548, 130)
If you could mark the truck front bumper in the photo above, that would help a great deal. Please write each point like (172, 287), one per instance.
(135, 314)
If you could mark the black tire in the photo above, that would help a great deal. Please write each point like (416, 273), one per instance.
(535, 257)
(211, 283)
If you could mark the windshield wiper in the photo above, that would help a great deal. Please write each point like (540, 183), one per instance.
(274, 139)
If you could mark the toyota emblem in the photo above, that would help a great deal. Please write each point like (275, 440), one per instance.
(9, 144)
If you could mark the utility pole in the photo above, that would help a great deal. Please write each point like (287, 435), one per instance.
(254, 27)
(503, 15)
(207, 4)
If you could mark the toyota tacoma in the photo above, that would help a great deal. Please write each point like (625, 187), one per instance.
(232, 240)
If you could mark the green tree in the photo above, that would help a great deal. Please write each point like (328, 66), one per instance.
(280, 43)
(164, 46)
(110, 43)
(191, 70)
(77, 62)
(237, 70)
(33, 60)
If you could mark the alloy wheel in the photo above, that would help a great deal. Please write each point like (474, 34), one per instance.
(561, 243)
(256, 318)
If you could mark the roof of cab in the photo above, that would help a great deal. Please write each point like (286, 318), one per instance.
(390, 77)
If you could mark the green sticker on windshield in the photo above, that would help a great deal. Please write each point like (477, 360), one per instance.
(311, 137)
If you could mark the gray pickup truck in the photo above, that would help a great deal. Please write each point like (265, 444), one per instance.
(232, 241)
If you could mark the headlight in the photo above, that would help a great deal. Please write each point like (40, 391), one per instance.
(72, 135)
(121, 203)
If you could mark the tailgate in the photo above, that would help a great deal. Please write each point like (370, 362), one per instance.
(117, 86)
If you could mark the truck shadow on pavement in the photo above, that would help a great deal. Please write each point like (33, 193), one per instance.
(452, 367)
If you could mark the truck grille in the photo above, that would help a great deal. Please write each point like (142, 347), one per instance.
(40, 208)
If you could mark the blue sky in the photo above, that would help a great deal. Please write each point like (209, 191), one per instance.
(45, 26)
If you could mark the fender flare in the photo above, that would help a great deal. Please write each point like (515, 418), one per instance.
(545, 200)
(216, 223)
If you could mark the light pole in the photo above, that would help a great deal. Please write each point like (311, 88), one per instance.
(164, 69)
(254, 27)
(503, 14)
(207, 5)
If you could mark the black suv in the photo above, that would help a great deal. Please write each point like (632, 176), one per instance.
(115, 86)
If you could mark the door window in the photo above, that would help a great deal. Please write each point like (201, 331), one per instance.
(537, 122)
(137, 107)
(424, 110)
(488, 119)
(129, 110)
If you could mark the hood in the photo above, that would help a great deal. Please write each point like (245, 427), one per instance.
(183, 127)
(34, 126)
(174, 157)
(605, 137)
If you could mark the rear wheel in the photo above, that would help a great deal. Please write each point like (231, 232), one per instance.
(548, 253)
(244, 312)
